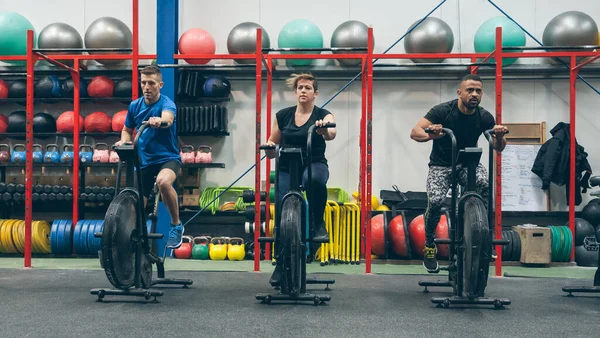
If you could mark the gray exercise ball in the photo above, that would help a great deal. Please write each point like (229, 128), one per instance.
(350, 34)
(108, 32)
(572, 28)
(242, 40)
(433, 35)
(60, 35)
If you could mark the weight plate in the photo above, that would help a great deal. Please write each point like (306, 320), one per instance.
(42, 236)
(65, 238)
(98, 241)
(83, 237)
(517, 252)
(53, 236)
(8, 239)
(562, 241)
(1, 247)
(76, 234)
(90, 237)
(118, 255)
(15, 236)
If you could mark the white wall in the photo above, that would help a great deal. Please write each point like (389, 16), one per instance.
(397, 104)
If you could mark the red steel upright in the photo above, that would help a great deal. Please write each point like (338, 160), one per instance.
(498, 198)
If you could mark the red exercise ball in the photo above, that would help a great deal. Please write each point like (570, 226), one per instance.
(443, 250)
(377, 237)
(3, 90)
(98, 122)
(3, 123)
(101, 86)
(196, 41)
(118, 121)
(398, 236)
(65, 122)
(416, 234)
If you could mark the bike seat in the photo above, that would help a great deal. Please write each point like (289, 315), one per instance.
(595, 181)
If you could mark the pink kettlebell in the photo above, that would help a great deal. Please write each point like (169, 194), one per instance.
(187, 154)
(113, 157)
(204, 154)
(101, 154)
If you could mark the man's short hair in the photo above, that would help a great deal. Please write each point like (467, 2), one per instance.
(151, 70)
(471, 77)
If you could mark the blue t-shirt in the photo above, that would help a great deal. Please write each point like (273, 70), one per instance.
(157, 145)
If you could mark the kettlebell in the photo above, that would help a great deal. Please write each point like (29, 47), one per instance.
(67, 154)
(101, 154)
(114, 157)
(4, 153)
(52, 155)
(204, 154)
(18, 153)
(185, 250)
(218, 251)
(237, 250)
(38, 155)
(187, 154)
(86, 153)
(200, 250)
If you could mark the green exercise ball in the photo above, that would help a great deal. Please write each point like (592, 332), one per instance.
(13, 35)
(300, 34)
(512, 36)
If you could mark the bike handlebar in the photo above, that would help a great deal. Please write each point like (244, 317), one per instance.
(139, 133)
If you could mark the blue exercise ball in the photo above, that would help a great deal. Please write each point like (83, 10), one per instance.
(512, 36)
(300, 33)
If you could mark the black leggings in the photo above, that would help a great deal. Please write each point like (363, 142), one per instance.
(320, 176)
(439, 181)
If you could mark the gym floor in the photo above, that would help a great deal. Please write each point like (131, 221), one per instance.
(53, 300)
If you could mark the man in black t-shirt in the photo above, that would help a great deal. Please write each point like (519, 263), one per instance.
(290, 130)
(468, 121)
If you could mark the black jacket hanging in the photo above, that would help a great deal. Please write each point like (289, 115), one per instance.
(552, 162)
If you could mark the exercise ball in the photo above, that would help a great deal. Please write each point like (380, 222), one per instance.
(44, 123)
(398, 236)
(13, 37)
(3, 123)
(350, 34)
(591, 213)
(441, 231)
(101, 87)
(118, 120)
(3, 90)
(196, 41)
(60, 35)
(512, 36)
(587, 255)
(300, 34)
(572, 28)
(98, 122)
(416, 234)
(108, 32)
(123, 88)
(65, 123)
(48, 86)
(216, 86)
(16, 122)
(583, 229)
(18, 89)
(433, 35)
(242, 40)
(68, 87)
(377, 235)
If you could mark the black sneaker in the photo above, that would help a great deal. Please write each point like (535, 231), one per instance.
(430, 260)
(275, 279)
(321, 235)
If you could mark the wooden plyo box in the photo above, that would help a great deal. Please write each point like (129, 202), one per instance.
(536, 244)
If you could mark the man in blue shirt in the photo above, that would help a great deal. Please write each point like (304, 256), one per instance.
(158, 146)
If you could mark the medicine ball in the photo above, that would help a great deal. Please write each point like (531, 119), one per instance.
(44, 123)
(98, 122)
(65, 122)
(69, 85)
(16, 122)
(101, 87)
(3, 90)
(3, 123)
(48, 86)
(217, 86)
(118, 120)
(123, 88)
(18, 89)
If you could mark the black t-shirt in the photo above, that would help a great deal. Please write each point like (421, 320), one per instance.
(466, 128)
(293, 136)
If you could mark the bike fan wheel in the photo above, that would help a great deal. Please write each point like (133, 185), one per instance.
(118, 249)
(478, 246)
(291, 219)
